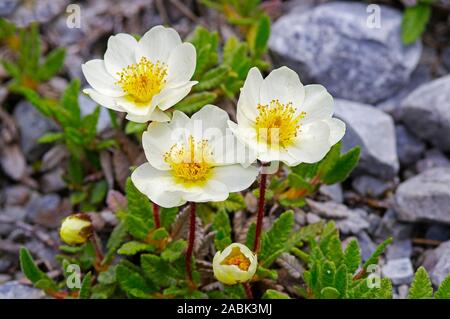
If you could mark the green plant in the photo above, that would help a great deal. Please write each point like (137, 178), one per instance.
(415, 20)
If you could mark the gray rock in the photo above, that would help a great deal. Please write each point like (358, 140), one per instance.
(333, 45)
(374, 131)
(53, 181)
(438, 232)
(88, 106)
(409, 148)
(374, 222)
(16, 195)
(433, 158)
(446, 57)
(312, 218)
(370, 186)
(333, 192)
(5, 264)
(390, 226)
(15, 290)
(32, 126)
(441, 269)
(7, 7)
(11, 214)
(45, 210)
(399, 249)
(426, 112)
(425, 197)
(400, 271)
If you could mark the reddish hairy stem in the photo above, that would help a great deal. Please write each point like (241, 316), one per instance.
(259, 220)
(156, 217)
(248, 290)
(191, 239)
(97, 247)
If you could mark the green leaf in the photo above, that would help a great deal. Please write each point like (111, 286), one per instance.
(414, 22)
(262, 33)
(174, 250)
(233, 203)
(51, 137)
(335, 253)
(340, 281)
(41, 104)
(11, 68)
(99, 192)
(193, 102)
(139, 219)
(421, 286)
(116, 239)
(327, 274)
(298, 181)
(274, 294)
(69, 102)
(329, 293)
(443, 291)
(352, 256)
(330, 160)
(134, 247)
(77, 197)
(343, 167)
(32, 272)
(159, 234)
(221, 225)
(132, 282)
(90, 125)
(135, 128)
(373, 259)
(274, 241)
(52, 64)
(213, 78)
(385, 291)
(168, 216)
(250, 235)
(152, 264)
(85, 289)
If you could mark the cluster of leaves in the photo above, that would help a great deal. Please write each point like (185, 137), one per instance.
(304, 179)
(30, 68)
(415, 20)
(421, 287)
(77, 132)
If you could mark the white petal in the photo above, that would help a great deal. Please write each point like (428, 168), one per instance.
(179, 120)
(230, 150)
(157, 44)
(318, 103)
(157, 115)
(312, 144)
(235, 177)
(212, 191)
(97, 77)
(120, 53)
(103, 100)
(210, 123)
(337, 130)
(181, 64)
(249, 97)
(156, 185)
(168, 97)
(282, 84)
(157, 140)
(133, 108)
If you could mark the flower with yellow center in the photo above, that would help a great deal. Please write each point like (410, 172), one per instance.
(76, 229)
(235, 264)
(186, 160)
(282, 120)
(142, 78)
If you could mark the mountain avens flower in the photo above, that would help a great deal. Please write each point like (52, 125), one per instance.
(186, 160)
(76, 229)
(282, 120)
(142, 78)
(235, 264)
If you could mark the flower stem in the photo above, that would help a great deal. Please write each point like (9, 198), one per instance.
(191, 239)
(98, 249)
(156, 217)
(248, 290)
(259, 220)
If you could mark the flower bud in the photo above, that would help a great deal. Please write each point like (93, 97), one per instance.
(76, 229)
(235, 264)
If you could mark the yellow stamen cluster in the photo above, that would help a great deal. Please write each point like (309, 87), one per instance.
(236, 257)
(191, 162)
(277, 124)
(143, 80)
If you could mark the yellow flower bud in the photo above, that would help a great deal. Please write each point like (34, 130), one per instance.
(235, 264)
(76, 229)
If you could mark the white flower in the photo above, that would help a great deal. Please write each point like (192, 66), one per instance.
(186, 160)
(235, 264)
(282, 120)
(142, 78)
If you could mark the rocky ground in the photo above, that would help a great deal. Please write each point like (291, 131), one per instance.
(394, 99)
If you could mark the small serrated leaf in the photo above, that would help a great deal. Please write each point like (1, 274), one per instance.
(421, 286)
